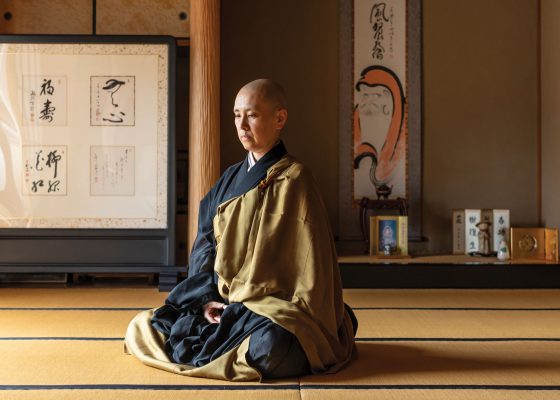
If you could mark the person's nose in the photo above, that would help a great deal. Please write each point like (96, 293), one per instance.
(244, 123)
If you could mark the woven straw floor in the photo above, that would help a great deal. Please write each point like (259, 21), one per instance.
(412, 344)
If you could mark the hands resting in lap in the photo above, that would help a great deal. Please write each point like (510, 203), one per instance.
(213, 311)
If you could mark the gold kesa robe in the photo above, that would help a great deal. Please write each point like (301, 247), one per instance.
(275, 254)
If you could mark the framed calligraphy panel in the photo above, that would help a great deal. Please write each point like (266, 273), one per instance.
(87, 150)
(380, 108)
(84, 134)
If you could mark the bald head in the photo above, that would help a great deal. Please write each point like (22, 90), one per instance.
(260, 114)
(267, 90)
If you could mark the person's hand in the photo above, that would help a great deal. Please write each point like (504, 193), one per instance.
(213, 311)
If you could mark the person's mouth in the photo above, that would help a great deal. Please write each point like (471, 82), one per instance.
(245, 136)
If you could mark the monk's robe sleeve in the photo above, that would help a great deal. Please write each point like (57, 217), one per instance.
(200, 286)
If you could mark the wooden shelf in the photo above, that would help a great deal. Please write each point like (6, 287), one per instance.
(447, 271)
(438, 259)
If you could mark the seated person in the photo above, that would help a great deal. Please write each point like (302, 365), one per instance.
(263, 296)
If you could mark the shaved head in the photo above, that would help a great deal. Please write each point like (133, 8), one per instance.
(260, 112)
(269, 91)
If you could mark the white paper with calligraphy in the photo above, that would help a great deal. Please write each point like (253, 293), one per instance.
(63, 169)
(44, 100)
(44, 170)
(112, 100)
(380, 110)
(112, 171)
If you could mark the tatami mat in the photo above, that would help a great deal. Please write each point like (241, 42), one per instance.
(457, 324)
(166, 394)
(412, 344)
(81, 297)
(357, 298)
(373, 323)
(90, 362)
(77, 323)
(58, 362)
(453, 298)
(431, 393)
(450, 363)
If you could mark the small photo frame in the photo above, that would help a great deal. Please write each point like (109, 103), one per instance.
(389, 236)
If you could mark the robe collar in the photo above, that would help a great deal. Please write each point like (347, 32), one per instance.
(247, 180)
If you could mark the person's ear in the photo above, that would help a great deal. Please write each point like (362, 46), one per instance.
(281, 118)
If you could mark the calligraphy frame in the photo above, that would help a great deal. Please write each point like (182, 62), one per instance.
(142, 239)
(349, 229)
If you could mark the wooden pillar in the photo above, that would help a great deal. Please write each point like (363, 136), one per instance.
(204, 124)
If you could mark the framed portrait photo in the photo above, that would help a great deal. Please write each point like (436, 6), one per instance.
(389, 236)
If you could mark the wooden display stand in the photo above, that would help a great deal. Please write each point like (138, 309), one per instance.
(369, 207)
(447, 271)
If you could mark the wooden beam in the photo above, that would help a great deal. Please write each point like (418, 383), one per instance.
(204, 123)
(70, 17)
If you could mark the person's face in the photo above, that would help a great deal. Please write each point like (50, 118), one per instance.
(257, 121)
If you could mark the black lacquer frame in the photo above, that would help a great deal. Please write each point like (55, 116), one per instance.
(81, 250)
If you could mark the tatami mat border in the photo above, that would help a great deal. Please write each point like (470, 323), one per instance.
(278, 387)
(368, 339)
(457, 339)
(73, 308)
(451, 309)
(353, 308)
(63, 338)
(430, 387)
(150, 387)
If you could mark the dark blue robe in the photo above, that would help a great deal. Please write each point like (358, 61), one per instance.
(192, 340)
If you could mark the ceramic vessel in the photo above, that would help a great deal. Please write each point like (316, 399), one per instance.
(503, 251)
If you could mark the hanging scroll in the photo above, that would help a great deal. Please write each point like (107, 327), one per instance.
(380, 109)
(380, 99)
